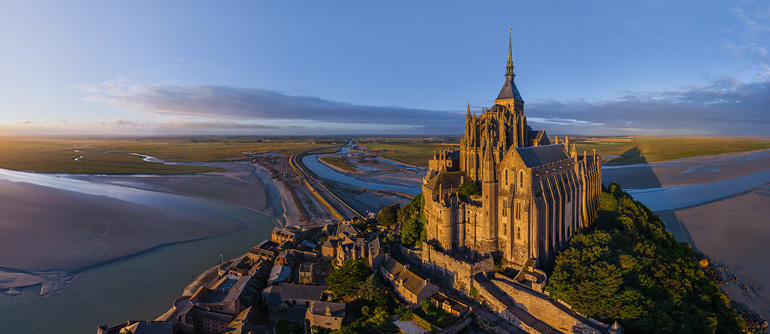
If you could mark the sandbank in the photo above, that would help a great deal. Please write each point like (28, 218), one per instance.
(733, 231)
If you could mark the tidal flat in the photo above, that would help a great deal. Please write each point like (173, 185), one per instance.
(77, 251)
(719, 204)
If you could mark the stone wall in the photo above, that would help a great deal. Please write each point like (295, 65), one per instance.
(540, 305)
(461, 272)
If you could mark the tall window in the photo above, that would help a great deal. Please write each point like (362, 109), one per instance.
(518, 210)
(505, 206)
(505, 229)
(518, 233)
(521, 179)
(506, 177)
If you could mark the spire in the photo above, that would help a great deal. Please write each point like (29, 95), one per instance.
(469, 110)
(509, 66)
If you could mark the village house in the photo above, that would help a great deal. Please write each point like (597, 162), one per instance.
(329, 316)
(407, 284)
(282, 297)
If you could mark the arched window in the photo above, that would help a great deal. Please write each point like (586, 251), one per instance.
(506, 177)
(521, 179)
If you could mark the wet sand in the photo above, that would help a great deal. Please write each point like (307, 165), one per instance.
(733, 231)
(720, 204)
(687, 171)
(50, 232)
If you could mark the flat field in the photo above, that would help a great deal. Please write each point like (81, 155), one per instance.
(110, 155)
(412, 153)
(338, 163)
(634, 150)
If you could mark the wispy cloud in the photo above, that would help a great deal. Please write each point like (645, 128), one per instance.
(120, 126)
(725, 107)
(254, 104)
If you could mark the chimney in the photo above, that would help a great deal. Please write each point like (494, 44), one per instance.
(566, 142)
(556, 140)
(328, 310)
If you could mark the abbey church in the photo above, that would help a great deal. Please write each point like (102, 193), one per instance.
(535, 191)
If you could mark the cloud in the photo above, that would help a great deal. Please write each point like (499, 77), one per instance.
(254, 104)
(725, 107)
(120, 126)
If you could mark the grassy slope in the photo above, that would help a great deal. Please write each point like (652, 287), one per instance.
(416, 154)
(651, 149)
(109, 156)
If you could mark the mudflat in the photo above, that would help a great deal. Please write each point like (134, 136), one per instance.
(687, 171)
(733, 231)
(54, 226)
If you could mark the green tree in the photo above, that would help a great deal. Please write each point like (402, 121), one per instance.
(469, 189)
(411, 231)
(629, 268)
(371, 288)
(388, 216)
(346, 280)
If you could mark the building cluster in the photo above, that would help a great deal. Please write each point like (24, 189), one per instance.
(283, 279)
(483, 249)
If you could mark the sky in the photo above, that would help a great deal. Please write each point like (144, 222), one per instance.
(144, 67)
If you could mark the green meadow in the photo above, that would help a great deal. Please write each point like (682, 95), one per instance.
(634, 150)
(110, 155)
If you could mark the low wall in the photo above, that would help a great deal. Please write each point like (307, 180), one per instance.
(539, 305)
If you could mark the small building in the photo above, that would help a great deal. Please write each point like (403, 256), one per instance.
(449, 304)
(407, 284)
(279, 274)
(329, 316)
(329, 249)
(257, 253)
(376, 254)
(351, 248)
(283, 296)
(283, 235)
(306, 275)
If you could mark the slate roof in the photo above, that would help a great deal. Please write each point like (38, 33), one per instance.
(509, 91)
(410, 280)
(447, 180)
(392, 266)
(534, 156)
(319, 307)
(277, 293)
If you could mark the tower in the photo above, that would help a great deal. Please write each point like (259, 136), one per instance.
(489, 191)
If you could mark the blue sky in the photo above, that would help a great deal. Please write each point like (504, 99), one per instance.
(399, 67)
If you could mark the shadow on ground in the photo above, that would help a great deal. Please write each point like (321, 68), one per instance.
(642, 176)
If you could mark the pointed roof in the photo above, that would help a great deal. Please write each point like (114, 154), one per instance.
(509, 90)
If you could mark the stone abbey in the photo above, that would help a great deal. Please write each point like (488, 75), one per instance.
(535, 193)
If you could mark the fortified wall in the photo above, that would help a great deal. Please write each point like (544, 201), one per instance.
(459, 269)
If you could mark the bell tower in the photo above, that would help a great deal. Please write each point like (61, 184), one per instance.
(511, 98)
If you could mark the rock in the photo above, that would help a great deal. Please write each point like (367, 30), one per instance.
(764, 324)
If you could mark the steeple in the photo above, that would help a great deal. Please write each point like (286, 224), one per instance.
(509, 91)
(509, 66)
